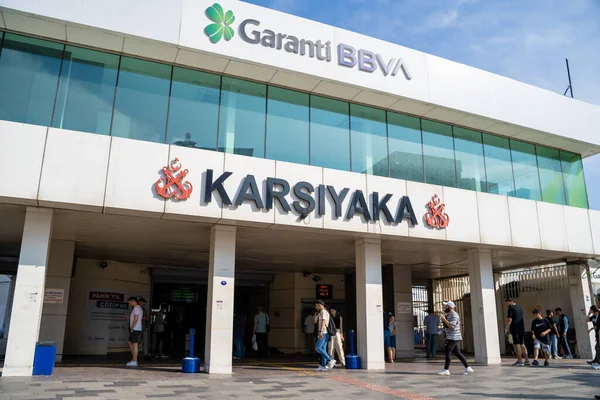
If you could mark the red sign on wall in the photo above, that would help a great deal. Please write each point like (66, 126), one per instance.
(436, 217)
(173, 184)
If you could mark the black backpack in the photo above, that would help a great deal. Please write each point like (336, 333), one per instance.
(331, 328)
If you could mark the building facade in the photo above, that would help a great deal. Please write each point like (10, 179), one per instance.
(221, 156)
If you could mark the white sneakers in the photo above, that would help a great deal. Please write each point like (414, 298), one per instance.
(445, 372)
(468, 371)
(321, 369)
(331, 364)
(132, 364)
(596, 366)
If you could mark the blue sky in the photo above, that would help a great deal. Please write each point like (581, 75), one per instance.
(525, 40)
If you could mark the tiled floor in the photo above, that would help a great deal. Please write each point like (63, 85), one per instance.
(563, 380)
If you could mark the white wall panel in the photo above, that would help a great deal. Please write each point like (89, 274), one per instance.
(34, 26)
(552, 227)
(21, 153)
(383, 186)
(94, 38)
(148, 49)
(494, 220)
(524, 223)
(133, 170)
(461, 206)
(340, 180)
(294, 173)
(196, 161)
(74, 169)
(595, 228)
(579, 233)
(242, 166)
(420, 194)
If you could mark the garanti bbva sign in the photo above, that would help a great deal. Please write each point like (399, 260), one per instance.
(252, 32)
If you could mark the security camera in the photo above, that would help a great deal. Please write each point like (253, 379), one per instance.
(103, 264)
(316, 278)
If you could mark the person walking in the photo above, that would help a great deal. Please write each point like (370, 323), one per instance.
(563, 328)
(239, 333)
(540, 331)
(451, 323)
(135, 330)
(261, 329)
(553, 337)
(336, 343)
(594, 315)
(387, 318)
(145, 325)
(322, 337)
(432, 324)
(393, 332)
(309, 333)
(515, 325)
(159, 332)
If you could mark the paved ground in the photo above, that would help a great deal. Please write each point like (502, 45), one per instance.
(563, 380)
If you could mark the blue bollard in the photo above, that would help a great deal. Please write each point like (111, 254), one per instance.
(352, 360)
(191, 364)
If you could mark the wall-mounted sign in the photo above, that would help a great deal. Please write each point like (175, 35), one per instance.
(172, 185)
(436, 217)
(317, 48)
(54, 296)
(325, 292)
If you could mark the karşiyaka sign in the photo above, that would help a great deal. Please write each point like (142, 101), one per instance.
(309, 198)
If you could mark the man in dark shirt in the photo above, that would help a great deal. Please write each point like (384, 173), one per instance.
(540, 330)
(553, 334)
(563, 328)
(594, 318)
(515, 325)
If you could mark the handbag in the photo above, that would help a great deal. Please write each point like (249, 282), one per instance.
(254, 344)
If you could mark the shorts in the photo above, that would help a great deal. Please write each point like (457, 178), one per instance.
(518, 336)
(540, 345)
(393, 341)
(387, 338)
(135, 336)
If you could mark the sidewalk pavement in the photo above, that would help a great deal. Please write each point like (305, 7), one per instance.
(563, 380)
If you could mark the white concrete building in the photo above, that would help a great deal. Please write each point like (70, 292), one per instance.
(214, 157)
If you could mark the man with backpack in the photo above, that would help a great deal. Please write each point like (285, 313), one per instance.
(323, 330)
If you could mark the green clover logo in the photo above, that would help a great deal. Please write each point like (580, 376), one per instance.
(221, 20)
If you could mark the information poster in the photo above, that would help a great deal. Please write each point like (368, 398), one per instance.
(106, 318)
(54, 296)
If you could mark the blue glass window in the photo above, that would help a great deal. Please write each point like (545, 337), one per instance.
(498, 165)
(87, 91)
(527, 180)
(29, 70)
(470, 166)
(142, 100)
(287, 125)
(194, 109)
(438, 150)
(242, 120)
(329, 133)
(368, 140)
(405, 147)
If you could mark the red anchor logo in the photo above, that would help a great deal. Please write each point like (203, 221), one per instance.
(172, 185)
(436, 217)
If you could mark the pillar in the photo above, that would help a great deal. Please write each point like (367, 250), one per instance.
(581, 302)
(483, 306)
(28, 297)
(58, 281)
(403, 312)
(369, 308)
(219, 313)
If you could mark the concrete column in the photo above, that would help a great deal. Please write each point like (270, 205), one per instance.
(28, 297)
(581, 302)
(483, 306)
(405, 341)
(369, 308)
(221, 287)
(58, 278)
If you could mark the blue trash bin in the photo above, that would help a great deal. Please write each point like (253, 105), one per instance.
(43, 360)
